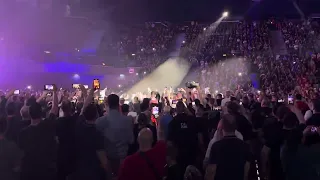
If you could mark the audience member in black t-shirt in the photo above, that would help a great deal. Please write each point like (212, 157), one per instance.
(91, 159)
(14, 123)
(243, 125)
(291, 139)
(38, 143)
(183, 133)
(315, 118)
(66, 138)
(230, 157)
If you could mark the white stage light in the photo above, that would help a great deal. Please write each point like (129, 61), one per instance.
(225, 14)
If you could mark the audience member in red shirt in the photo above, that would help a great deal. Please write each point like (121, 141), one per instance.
(302, 106)
(136, 165)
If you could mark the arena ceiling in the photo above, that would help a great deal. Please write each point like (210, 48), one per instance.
(201, 10)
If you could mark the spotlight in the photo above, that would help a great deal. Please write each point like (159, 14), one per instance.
(144, 72)
(183, 42)
(239, 74)
(133, 54)
(29, 87)
(217, 92)
(47, 52)
(119, 85)
(204, 29)
(103, 64)
(225, 14)
(137, 74)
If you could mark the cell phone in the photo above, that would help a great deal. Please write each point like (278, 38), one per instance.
(280, 101)
(101, 99)
(86, 86)
(16, 92)
(155, 110)
(75, 86)
(217, 108)
(290, 99)
(193, 103)
(48, 87)
(96, 84)
(314, 129)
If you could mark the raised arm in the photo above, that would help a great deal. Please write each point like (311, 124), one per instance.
(88, 100)
(54, 109)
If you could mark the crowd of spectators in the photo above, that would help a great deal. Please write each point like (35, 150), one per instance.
(235, 132)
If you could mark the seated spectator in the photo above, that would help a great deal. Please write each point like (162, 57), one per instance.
(10, 155)
(148, 163)
(230, 157)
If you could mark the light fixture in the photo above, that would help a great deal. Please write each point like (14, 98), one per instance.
(154, 49)
(29, 87)
(239, 74)
(47, 52)
(225, 14)
(144, 72)
(137, 74)
(119, 85)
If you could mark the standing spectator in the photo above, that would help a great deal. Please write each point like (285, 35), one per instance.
(165, 120)
(301, 105)
(10, 155)
(91, 159)
(125, 109)
(14, 122)
(183, 133)
(314, 120)
(66, 136)
(226, 99)
(230, 157)
(243, 124)
(25, 117)
(142, 123)
(118, 132)
(39, 144)
(148, 163)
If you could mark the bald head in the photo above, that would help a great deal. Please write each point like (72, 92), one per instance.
(145, 138)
